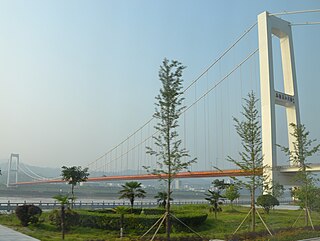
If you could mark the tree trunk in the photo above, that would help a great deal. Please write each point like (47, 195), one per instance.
(306, 208)
(168, 223)
(253, 208)
(121, 225)
(62, 221)
(215, 210)
(72, 192)
(131, 203)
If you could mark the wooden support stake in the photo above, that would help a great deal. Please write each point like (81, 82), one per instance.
(242, 221)
(264, 222)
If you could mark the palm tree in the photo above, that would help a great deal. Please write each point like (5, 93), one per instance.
(162, 198)
(122, 211)
(63, 200)
(213, 198)
(132, 190)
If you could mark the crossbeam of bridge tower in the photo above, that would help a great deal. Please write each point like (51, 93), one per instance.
(268, 26)
(14, 159)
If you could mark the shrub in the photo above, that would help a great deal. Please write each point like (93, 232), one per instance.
(138, 223)
(153, 211)
(107, 210)
(71, 218)
(267, 201)
(28, 214)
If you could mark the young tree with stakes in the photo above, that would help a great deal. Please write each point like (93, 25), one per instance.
(302, 150)
(170, 155)
(251, 158)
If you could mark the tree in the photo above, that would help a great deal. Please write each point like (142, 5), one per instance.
(213, 198)
(267, 201)
(251, 158)
(302, 149)
(214, 195)
(131, 191)
(312, 194)
(63, 200)
(74, 175)
(122, 211)
(162, 198)
(170, 155)
(277, 190)
(232, 193)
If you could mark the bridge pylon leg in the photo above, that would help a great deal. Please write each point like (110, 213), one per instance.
(269, 26)
(13, 167)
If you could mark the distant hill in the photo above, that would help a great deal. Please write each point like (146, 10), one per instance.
(35, 171)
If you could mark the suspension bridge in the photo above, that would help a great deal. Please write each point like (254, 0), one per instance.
(212, 99)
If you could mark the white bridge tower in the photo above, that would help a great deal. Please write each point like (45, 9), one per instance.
(268, 26)
(13, 167)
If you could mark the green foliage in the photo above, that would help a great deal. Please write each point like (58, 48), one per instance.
(251, 158)
(162, 198)
(220, 184)
(71, 218)
(249, 130)
(131, 191)
(267, 201)
(277, 190)
(302, 149)
(63, 199)
(312, 193)
(122, 210)
(74, 175)
(28, 214)
(232, 193)
(139, 223)
(211, 229)
(153, 211)
(213, 198)
(171, 157)
(106, 210)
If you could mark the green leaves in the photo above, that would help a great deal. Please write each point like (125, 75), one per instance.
(301, 150)
(132, 190)
(74, 174)
(169, 153)
(249, 130)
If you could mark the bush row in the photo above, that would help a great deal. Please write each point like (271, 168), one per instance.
(148, 211)
(139, 223)
(134, 222)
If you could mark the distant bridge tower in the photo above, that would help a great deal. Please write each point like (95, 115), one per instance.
(268, 26)
(13, 167)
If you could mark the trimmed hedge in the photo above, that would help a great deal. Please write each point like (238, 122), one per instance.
(138, 223)
(111, 211)
(107, 210)
(153, 211)
(71, 218)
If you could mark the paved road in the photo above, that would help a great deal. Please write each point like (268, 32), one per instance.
(8, 234)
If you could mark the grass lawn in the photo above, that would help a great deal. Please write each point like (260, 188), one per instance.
(225, 224)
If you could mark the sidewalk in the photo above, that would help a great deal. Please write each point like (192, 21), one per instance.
(7, 234)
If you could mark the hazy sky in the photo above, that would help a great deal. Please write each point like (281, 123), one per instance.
(77, 77)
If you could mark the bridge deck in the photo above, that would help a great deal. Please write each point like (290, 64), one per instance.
(195, 174)
(289, 169)
(198, 174)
